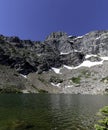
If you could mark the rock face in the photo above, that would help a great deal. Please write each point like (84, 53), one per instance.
(27, 56)
(59, 52)
(93, 43)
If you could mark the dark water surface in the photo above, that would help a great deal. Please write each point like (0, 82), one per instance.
(49, 111)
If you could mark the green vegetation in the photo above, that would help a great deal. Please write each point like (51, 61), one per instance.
(103, 122)
(105, 79)
(83, 74)
(76, 80)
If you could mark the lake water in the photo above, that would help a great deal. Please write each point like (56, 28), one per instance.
(49, 111)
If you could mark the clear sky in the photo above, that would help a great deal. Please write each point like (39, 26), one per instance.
(35, 19)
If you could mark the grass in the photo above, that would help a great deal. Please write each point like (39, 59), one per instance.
(76, 80)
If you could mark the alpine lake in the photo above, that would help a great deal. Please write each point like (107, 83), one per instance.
(49, 111)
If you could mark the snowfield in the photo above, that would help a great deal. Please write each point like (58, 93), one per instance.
(56, 70)
(88, 63)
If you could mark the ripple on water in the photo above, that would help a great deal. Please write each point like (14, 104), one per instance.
(50, 112)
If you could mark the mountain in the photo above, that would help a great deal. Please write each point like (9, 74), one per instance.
(59, 64)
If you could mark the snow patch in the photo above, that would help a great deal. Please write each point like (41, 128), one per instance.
(86, 63)
(38, 54)
(79, 37)
(68, 67)
(64, 53)
(97, 38)
(88, 56)
(104, 58)
(70, 36)
(56, 70)
(56, 85)
(24, 76)
(75, 50)
(89, 64)
(68, 86)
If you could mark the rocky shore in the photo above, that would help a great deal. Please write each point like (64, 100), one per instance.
(59, 64)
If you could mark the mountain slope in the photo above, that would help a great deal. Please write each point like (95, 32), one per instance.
(60, 64)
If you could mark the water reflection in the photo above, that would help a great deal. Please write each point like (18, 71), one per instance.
(49, 112)
(76, 110)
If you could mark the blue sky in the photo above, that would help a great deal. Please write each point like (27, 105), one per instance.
(35, 19)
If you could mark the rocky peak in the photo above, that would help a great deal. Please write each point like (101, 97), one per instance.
(12, 39)
(59, 41)
(56, 35)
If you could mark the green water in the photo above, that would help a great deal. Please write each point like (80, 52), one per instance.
(49, 111)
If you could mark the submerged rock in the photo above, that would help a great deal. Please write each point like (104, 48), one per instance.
(20, 125)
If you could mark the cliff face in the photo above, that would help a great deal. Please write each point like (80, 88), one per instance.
(55, 64)
(27, 56)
